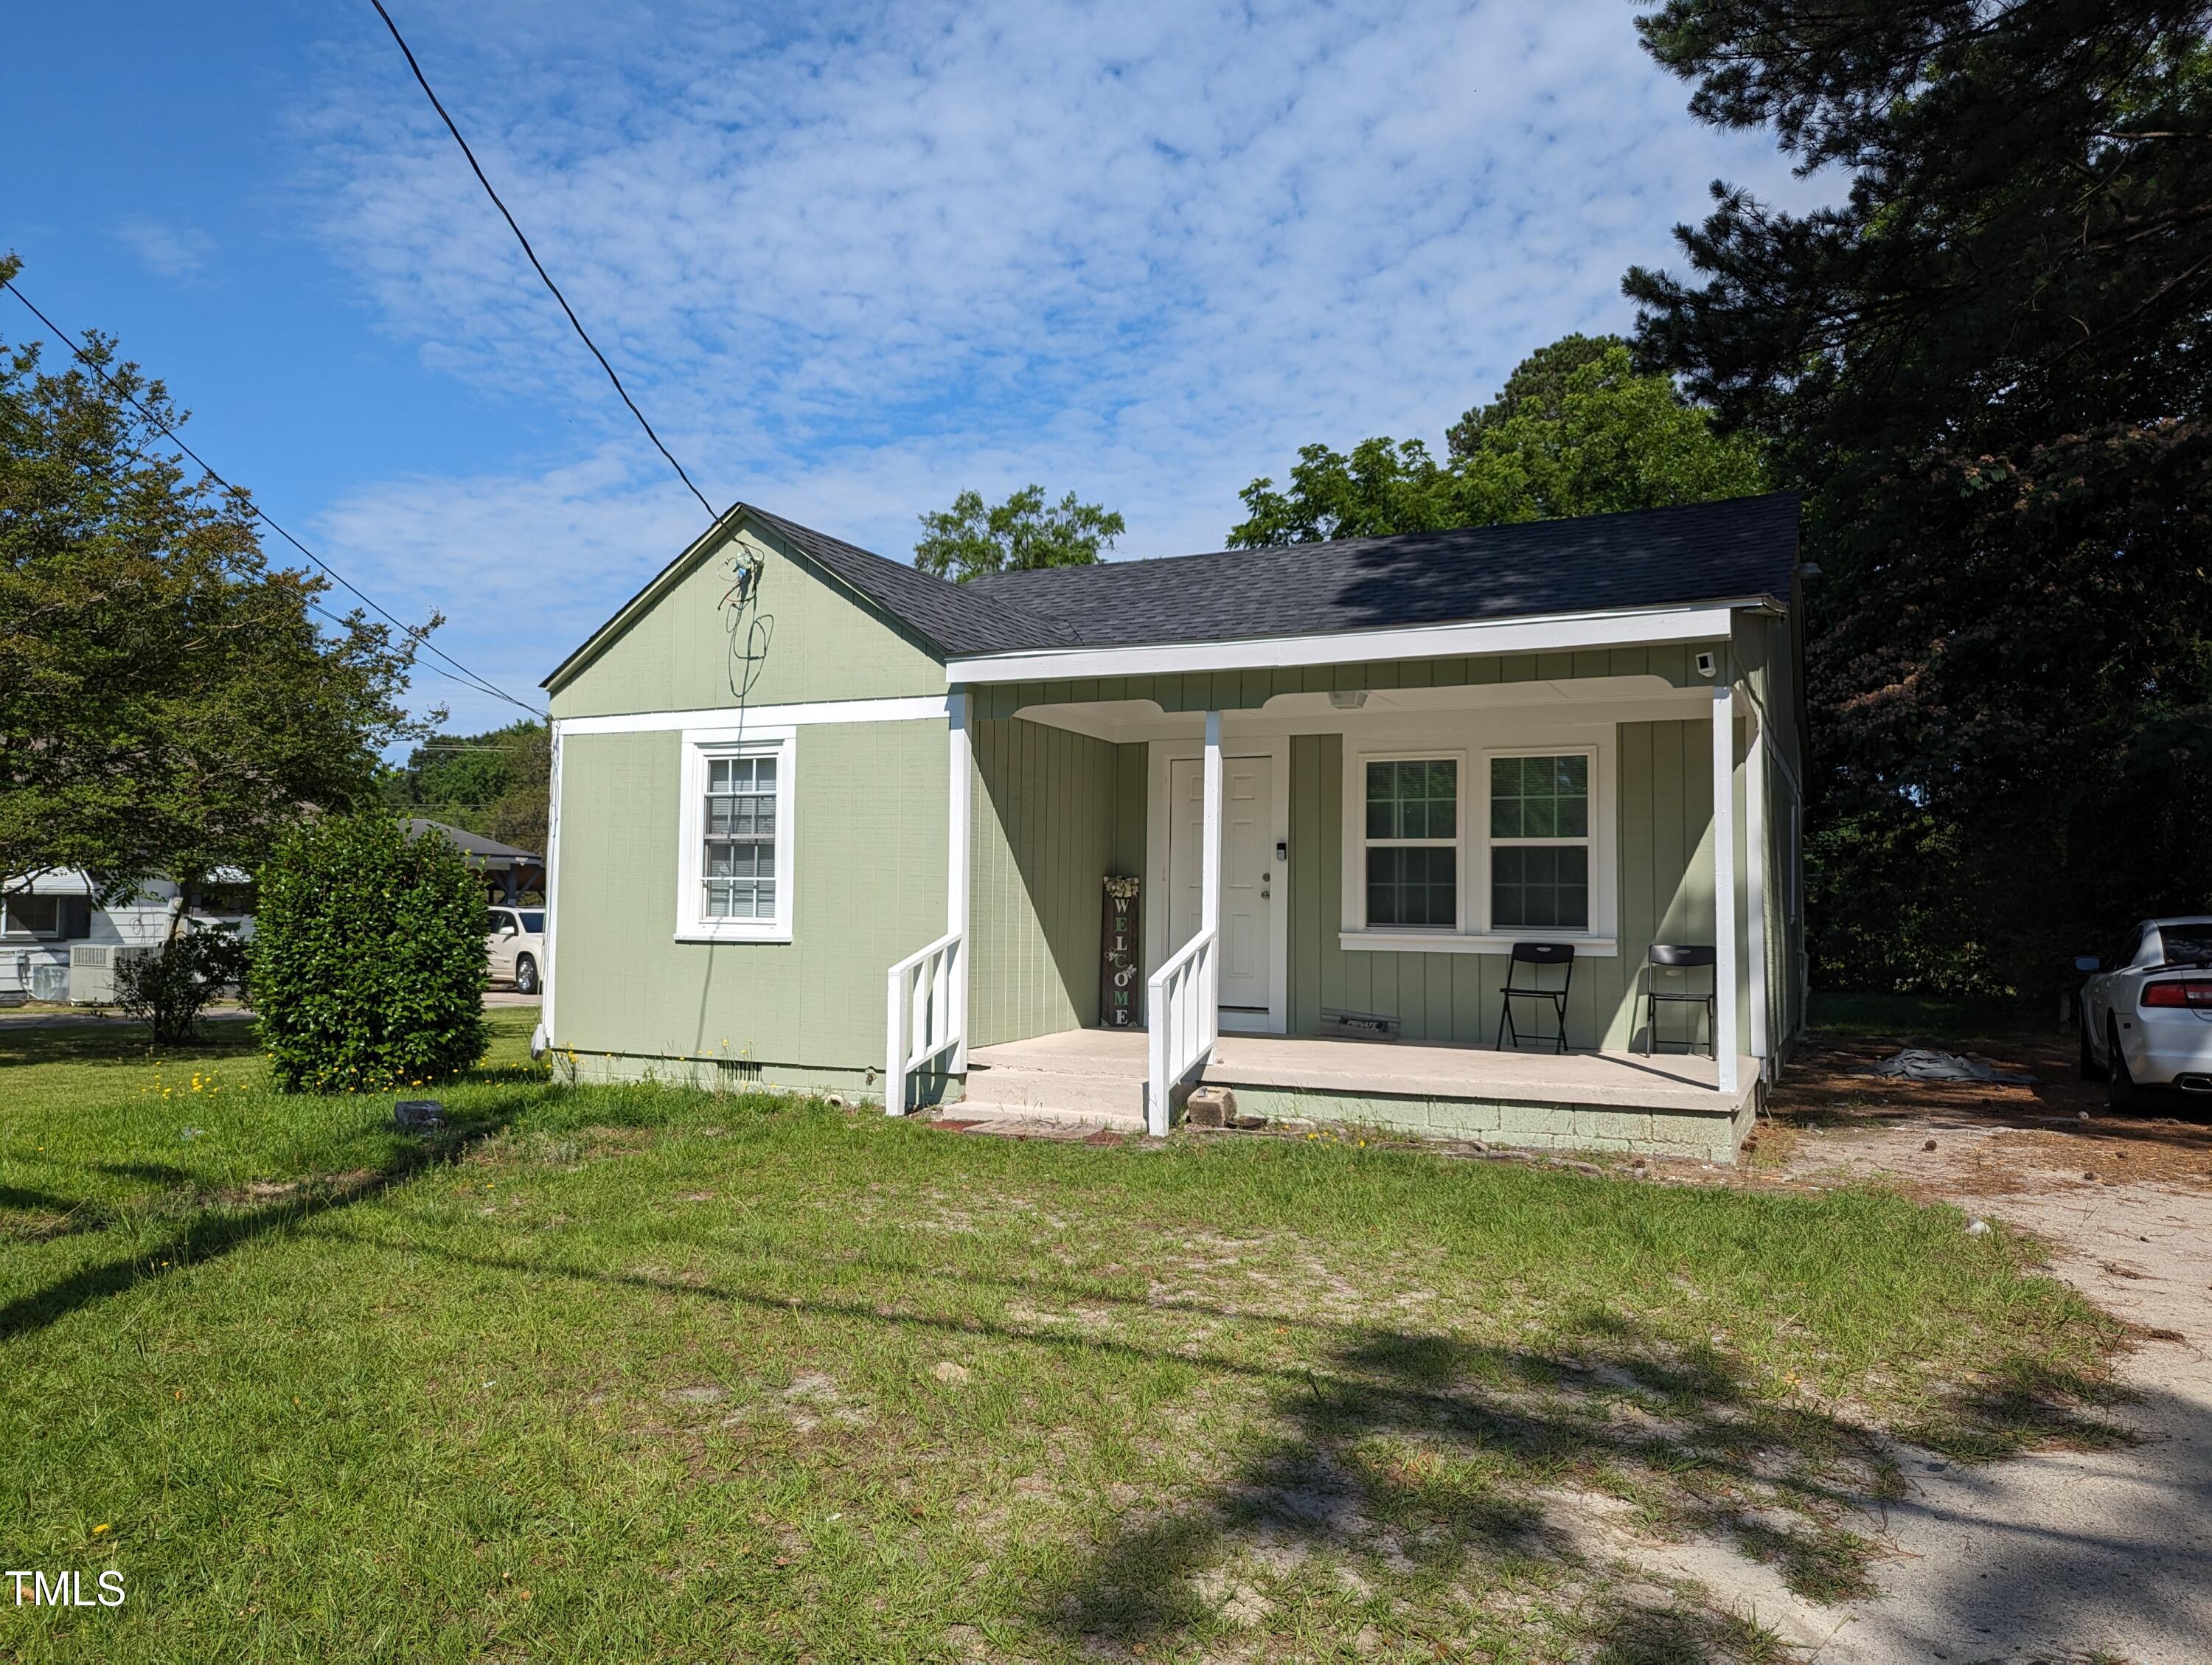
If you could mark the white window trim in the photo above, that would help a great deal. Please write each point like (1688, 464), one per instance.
(701, 745)
(1475, 934)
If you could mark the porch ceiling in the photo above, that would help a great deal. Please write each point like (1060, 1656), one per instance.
(1596, 699)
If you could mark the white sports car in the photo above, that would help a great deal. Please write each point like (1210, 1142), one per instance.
(2147, 1012)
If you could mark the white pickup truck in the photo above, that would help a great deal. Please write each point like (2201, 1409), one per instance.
(517, 945)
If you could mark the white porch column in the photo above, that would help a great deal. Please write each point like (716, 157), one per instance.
(1754, 888)
(1724, 1037)
(957, 866)
(1210, 881)
(1209, 866)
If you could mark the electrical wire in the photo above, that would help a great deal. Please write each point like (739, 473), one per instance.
(544, 277)
(467, 677)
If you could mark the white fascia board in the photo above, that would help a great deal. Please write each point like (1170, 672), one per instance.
(733, 722)
(1555, 633)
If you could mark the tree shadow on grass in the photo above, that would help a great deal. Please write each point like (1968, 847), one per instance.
(121, 1044)
(216, 1231)
(1434, 1461)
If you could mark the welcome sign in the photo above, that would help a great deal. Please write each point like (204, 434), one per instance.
(1121, 957)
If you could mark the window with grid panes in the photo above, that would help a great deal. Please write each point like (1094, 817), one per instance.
(739, 869)
(1540, 842)
(1413, 842)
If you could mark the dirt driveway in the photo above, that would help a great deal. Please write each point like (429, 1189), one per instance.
(2098, 1555)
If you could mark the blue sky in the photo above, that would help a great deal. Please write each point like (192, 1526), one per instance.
(851, 260)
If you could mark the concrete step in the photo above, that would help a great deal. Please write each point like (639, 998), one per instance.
(1059, 1093)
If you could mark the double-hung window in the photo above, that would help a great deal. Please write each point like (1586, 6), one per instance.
(735, 873)
(739, 873)
(1413, 843)
(1540, 842)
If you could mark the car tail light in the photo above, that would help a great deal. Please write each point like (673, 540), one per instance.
(2191, 992)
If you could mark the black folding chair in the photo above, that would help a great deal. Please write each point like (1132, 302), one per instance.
(1536, 956)
(1677, 957)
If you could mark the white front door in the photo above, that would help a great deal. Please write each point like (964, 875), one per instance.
(1249, 893)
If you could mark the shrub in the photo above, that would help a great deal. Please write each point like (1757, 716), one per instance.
(368, 958)
(171, 985)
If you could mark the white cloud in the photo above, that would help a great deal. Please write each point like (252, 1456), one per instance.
(168, 251)
(852, 263)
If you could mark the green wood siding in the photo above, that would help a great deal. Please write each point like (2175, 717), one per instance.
(1664, 791)
(814, 641)
(869, 890)
(1055, 813)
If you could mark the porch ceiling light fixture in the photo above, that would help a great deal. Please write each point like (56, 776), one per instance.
(1347, 699)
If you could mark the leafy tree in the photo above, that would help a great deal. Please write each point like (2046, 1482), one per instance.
(168, 700)
(495, 783)
(1537, 387)
(969, 539)
(369, 956)
(1988, 364)
(1576, 430)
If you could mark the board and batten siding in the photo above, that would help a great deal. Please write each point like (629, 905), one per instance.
(869, 889)
(1664, 791)
(806, 638)
(1055, 813)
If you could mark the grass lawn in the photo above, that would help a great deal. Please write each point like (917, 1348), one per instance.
(644, 1375)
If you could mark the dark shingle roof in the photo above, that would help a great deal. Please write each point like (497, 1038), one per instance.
(1740, 548)
(960, 618)
(474, 845)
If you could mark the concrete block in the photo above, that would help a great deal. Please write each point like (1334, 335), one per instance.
(1209, 1107)
(1610, 1124)
(1517, 1120)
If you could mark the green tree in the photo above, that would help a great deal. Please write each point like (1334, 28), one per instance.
(969, 539)
(1537, 387)
(369, 956)
(1576, 430)
(167, 700)
(1988, 365)
(495, 783)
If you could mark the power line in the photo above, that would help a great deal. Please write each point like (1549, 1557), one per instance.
(421, 638)
(544, 277)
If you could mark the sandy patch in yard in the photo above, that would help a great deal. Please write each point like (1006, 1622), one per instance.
(2062, 1555)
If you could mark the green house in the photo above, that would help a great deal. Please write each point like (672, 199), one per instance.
(1071, 843)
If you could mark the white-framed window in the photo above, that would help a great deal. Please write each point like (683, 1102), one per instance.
(735, 870)
(1410, 864)
(1539, 841)
(1454, 846)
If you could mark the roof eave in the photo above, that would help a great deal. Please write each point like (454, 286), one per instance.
(1699, 621)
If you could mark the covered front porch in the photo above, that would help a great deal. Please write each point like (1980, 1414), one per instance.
(1669, 1103)
(1352, 848)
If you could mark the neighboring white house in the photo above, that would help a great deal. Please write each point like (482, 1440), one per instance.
(57, 942)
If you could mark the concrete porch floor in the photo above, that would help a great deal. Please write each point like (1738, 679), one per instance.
(1591, 1099)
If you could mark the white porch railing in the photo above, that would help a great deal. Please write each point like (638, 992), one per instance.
(923, 1013)
(1183, 1019)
